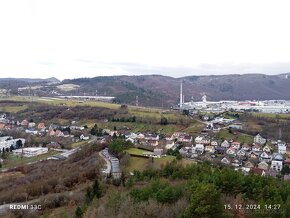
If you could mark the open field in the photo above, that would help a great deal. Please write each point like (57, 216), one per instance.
(78, 144)
(268, 115)
(136, 151)
(68, 87)
(243, 138)
(13, 109)
(139, 163)
(14, 160)
(194, 129)
(133, 110)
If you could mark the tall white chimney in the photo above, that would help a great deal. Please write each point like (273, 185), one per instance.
(181, 95)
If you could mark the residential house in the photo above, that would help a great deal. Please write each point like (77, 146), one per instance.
(241, 153)
(249, 164)
(184, 138)
(59, 133)
(24, 123)
(259, 139)
(236, 145)
(106, 131)
(66, 134)
(225, 161)
(236, 126)
(236, 163)
(114, 132)
(53, 145)
(151, 137)
(51, 132)
(209, 148)
(31, 131)
(215, 129)
(84, 137)
(267, 149)
(205, 141)
(140, 136)
(31, 125)
(198, 139)
(231, 151)
(220, 150)
(246, 147)
(130, 140)
(278, 157)
(282, 148)
(277, 165)
(41, 126)
(253, 154)
(131, 135)
(267, 157)
(169, 144)
(263, 165)
(153, 142)
(54, 126)
(225, 144)
(214, 143)
(256, 148)
(199, 148)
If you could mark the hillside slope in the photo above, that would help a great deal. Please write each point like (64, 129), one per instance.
(157, 90)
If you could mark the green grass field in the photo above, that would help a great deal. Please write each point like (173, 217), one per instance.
(13, 109)
(243, 138)
(139, 163)
(136, 151)
(15, 160)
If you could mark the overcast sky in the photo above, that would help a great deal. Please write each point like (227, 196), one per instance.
(70, 39)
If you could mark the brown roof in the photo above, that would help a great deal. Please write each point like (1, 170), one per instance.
(256, 171)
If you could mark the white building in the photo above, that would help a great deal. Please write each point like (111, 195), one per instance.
(282, 148)
(259, 139)
(198, 139)
(7, 142)
(30, 152)
(276, 165)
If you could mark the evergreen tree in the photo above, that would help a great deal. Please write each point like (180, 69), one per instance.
(205, 201)
(79, 212)
(96, 189)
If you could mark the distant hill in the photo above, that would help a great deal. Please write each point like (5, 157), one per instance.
(28, 80)
(157, 90)
(14, 83)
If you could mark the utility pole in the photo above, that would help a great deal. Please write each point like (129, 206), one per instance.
(137, 101)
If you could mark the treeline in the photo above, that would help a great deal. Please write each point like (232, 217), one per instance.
(49, 112)
(198, 190)
(207, 182)
(124, 119)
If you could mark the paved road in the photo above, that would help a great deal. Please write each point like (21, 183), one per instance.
(104, 155)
